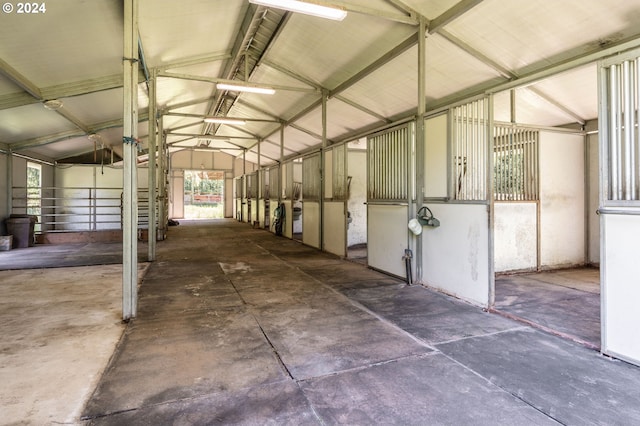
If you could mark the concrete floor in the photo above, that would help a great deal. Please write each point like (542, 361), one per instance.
(237, 326)
(564, 302)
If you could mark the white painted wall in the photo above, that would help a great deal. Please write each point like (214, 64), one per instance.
(334, 233)
(562, 200)
(516, 235)
(387, 238)
(621, 287)
(357, 169)
(456, 254)
(311, 223)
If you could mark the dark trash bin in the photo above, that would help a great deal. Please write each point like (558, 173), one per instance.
(32, 226)
(19, 228)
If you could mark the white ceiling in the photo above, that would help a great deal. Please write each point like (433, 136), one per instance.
(367, 64)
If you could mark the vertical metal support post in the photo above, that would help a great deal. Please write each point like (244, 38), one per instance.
(162, 184)
(322, 170)
(130, 196)
(490, 191)
(280, 169)
(420, 139)
(153, 229)
(9, 182)
(512, 103)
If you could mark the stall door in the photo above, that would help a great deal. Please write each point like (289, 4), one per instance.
(311, 189)
(620, 206)
(334, 230)
(388, 193)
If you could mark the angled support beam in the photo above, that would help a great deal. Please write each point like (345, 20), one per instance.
(286, 71)
(73, 119)
(350, 7)
(195, 60)
(405, 45)
(452, 14)
(510, 75)
(19, 80)
(361, 108)
(67, 90)
(70, 134)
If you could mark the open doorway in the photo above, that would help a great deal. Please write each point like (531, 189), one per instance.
(34, 193)
(203, 194)
(357, 198)
(545, 261)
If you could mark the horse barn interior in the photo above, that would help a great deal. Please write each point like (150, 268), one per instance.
(428, 212)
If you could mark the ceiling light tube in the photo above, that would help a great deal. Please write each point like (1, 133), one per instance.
(304, 7)
(223, 120)
(246, 88)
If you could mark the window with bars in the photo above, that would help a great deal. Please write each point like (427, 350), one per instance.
(311, 178)
(469, 150)
(274, 182)
(389, 166)
(339, 169)
(515, 164)
(620, 118)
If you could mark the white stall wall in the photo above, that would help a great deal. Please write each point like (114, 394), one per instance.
(176, 194)
(456, 254)
(562, 200)
(334, 228)
(593, 169)
(621, 287)
(311, 223)
(387, 238)
(516, 235)
(357, 169)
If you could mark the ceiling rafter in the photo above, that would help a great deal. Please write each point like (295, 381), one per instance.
(19, 80)
(195, 60)
(362, 108)
(70, 134)
(507, 74)
(293, 74)
(451, 14)
(369, 11)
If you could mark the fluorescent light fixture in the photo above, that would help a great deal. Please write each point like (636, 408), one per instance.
(246, 88)
(304, 7)
(223, 120)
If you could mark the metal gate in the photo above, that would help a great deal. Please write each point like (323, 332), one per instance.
(311, 192)
(334, 229)
(619, 141)
(389, 174)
